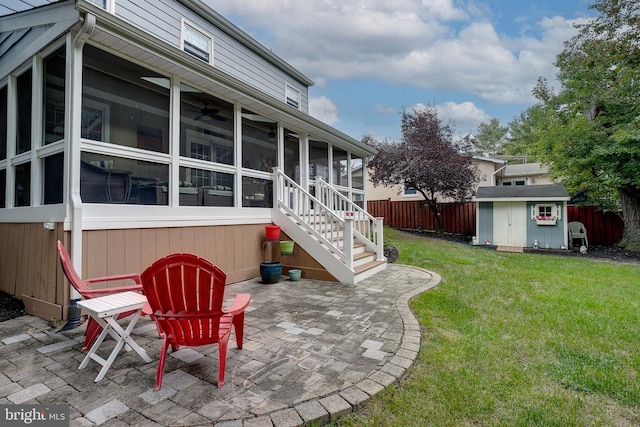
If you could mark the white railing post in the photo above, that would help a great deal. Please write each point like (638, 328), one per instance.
(379, 238)
(277, 188)
(347, 237)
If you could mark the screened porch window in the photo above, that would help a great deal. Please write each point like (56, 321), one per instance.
(292, 155)
(3, 122)
(54, 86)
(119, 180)
(127, 106)
(259, 142)
(206, 127)
(24, 112)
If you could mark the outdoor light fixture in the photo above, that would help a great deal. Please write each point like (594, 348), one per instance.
(49, 225)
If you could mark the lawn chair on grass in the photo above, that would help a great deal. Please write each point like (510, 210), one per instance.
(82, 286)
(186, 293)
(577, 231)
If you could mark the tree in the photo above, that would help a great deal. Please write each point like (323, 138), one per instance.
(489, 138)
(426, 159)
(588, 132)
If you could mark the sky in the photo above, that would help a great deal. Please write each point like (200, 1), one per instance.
(372, 59)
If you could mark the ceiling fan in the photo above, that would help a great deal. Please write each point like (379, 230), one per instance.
(208, 114)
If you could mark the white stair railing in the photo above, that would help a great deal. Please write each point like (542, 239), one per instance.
(316, 218)
(367, 229)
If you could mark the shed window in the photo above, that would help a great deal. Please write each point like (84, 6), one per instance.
(196, 42)
(545, 212)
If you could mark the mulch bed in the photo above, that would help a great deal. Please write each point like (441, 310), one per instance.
(10, 307)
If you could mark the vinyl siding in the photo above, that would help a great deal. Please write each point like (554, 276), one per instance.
(162, 18)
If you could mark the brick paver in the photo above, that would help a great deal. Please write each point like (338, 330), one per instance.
(312, 352)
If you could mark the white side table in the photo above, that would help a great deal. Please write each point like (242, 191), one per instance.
(105, 310)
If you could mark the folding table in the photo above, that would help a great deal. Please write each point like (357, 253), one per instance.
(105, 311)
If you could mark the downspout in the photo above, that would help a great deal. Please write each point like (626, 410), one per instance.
(73, 163)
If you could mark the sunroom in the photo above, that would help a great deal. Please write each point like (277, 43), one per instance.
(126, 148)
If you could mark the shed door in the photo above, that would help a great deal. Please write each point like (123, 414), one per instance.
(510, 223)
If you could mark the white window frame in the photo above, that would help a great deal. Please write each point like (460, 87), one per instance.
(555, 210)
(514, 182)
(409, 191)
(109, 5)
(292, 96)
(189, 26)
(105, 116)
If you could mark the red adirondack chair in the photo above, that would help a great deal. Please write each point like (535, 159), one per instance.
(186, 293)
(82, 286)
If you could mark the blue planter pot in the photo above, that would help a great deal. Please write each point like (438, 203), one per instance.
(270, 272)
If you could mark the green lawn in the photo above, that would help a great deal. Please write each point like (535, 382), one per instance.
(512, 339)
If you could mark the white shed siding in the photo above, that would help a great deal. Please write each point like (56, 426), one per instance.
(162, 18)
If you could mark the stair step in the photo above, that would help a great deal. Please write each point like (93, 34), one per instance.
(368, 266)
(361, 255)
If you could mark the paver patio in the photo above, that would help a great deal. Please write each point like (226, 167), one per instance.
(313, 351)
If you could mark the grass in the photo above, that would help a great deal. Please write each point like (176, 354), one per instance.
(512, 339)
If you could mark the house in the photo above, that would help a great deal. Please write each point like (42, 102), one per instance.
(522, 174)
(487, 167)
(522, 216)
(133, 129)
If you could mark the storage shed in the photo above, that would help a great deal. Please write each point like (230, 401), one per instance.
(522, 216)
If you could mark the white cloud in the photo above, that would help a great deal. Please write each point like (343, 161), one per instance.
(432, 44)
(323, 109)
(466, 116)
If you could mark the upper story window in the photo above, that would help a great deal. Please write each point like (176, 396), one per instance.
(292, 96)
(108, 5)
(515, 182)
(197, 42)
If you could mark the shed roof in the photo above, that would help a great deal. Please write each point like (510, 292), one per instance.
(523, 192)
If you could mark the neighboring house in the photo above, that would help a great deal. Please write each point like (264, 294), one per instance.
(486, 166)
(492, 172)
(522, 174)
(522, 216)
(132, 129)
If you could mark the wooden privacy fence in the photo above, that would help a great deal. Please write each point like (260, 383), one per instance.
(603, 228)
